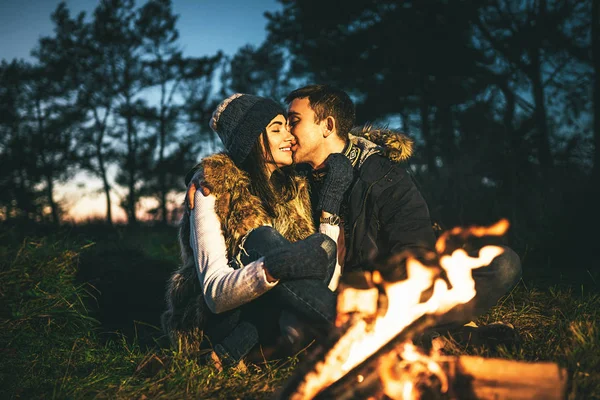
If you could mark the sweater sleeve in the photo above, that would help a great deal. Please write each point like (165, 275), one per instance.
(224, 288)
(335, 233)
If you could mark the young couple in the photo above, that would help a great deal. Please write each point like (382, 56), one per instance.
(263, 246)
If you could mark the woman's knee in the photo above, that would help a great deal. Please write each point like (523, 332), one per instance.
(265, 233)
(259, 241)
(509, 268)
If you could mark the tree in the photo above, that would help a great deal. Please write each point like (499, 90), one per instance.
(395, 58)
(115, 26)
(52, 104)
(97, 97)
(20, 173)
(532, 40)
(596, 64)
(199, 102)
(261, 70)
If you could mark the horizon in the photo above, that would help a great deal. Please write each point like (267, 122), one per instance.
(200, 25)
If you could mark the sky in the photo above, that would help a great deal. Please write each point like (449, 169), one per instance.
(205, 26)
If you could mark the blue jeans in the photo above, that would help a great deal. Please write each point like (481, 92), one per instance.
(235, 333)
(491, 283)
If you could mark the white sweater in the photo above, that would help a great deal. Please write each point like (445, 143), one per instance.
(226, 288)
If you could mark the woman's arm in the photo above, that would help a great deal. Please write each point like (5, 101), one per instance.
(224, 288)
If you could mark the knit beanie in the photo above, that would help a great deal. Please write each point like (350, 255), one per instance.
(240, 119)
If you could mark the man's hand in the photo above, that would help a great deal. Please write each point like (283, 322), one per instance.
(194, 185)
(340, 174)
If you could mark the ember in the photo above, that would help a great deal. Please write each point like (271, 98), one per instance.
(371, 354)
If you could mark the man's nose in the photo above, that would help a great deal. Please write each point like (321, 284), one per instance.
(289, 137)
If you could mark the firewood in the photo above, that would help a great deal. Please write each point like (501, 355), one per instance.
(367, 368)
(493, 378)
(469, 378)
(350, 385)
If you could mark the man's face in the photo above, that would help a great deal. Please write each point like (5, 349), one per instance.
(308, 134)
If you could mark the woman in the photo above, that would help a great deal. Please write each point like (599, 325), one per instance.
(251, 260)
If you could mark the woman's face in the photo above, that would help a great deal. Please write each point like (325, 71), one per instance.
(280, 144)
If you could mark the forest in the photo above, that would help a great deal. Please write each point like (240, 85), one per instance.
(502, 99)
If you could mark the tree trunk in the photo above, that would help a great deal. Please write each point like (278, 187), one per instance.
(596, 63)
(50, 194)
(24, 200)
(425, 129)
(46, 169)
(161, 168)
(543, 136)
(405, 125)
(101, 127)
(131, 164)
(512, 145)
(449, 150)
(105, 184)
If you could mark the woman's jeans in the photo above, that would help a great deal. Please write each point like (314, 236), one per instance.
(233, 334)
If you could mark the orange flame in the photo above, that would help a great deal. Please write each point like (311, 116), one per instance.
(398, 384)
(404, 307)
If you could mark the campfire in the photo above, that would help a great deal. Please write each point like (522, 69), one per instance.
(371, 354)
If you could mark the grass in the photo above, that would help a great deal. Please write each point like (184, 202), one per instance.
(72, 328)
(554, 324)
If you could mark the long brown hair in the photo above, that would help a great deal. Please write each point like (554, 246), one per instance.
(280, 188)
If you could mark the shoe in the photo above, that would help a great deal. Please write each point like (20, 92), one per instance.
(491, 335)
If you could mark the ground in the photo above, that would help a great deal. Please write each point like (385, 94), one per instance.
(79, 312)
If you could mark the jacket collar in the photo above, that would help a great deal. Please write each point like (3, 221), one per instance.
(374, 140)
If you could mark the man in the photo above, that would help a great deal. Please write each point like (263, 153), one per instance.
(383, 213)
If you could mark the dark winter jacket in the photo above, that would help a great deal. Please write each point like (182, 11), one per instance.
(384, 212)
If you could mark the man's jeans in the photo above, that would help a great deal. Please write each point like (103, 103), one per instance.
(233, 334)
(491, 283)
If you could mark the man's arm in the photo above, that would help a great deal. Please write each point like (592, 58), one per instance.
(405, 220)
(336, 234)
(195, 184)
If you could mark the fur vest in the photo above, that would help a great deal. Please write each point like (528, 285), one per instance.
(239, 212)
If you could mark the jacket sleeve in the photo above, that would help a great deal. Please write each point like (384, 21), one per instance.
(224, 288)
(405, 223)
(334, 232)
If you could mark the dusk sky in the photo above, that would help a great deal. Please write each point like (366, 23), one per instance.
(205, 26)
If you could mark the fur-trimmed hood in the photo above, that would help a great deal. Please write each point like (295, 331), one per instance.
(240, 211)
(393, 144)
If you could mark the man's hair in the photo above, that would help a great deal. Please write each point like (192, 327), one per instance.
(326, 100)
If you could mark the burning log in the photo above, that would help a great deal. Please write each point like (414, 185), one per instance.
(485, 378)
(371, 355)
(467, 377)
(361, 380)
(451, 377)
